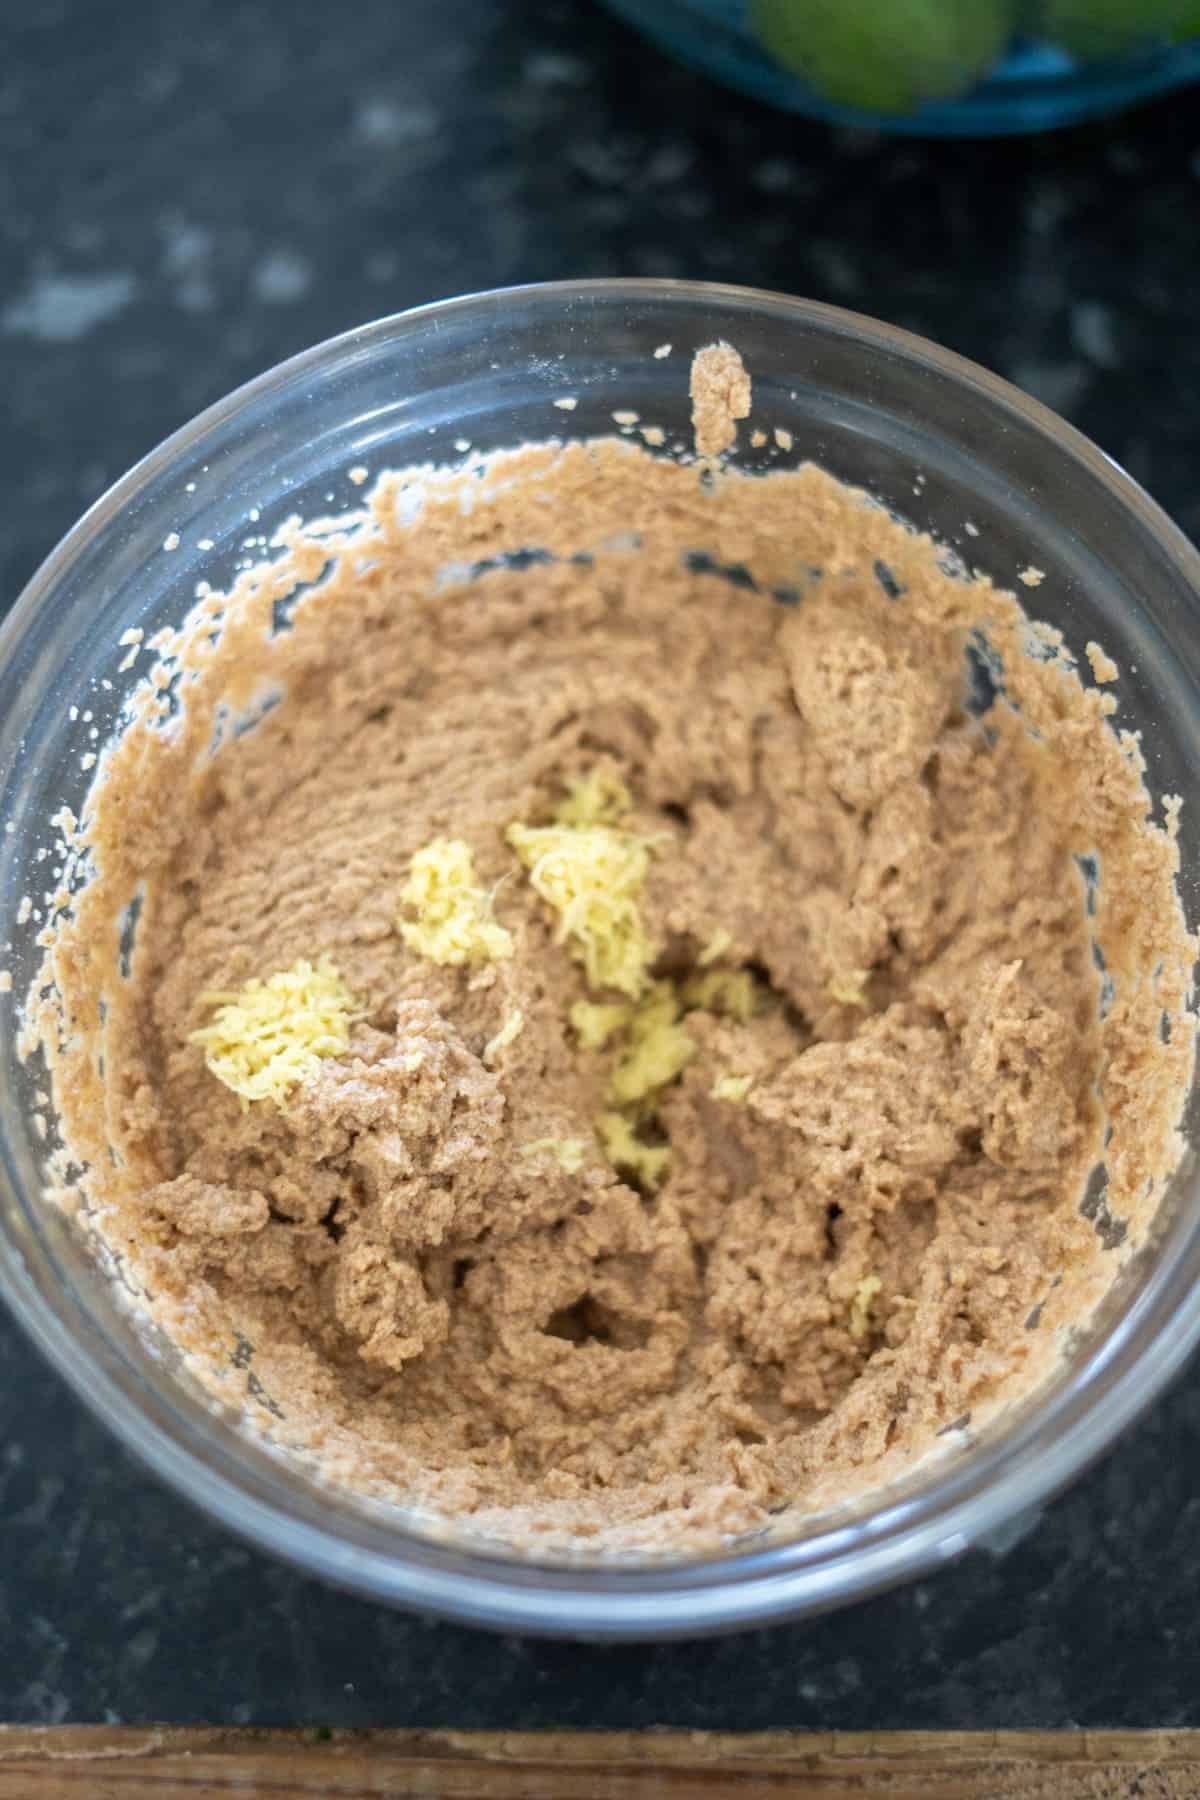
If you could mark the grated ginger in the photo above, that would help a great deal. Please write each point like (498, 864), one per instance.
(860, 1306)
(454, 923)
(511, 1029)
(595, 1021)
(648, 1162)
(658, 1048)
(598, 798)
(592, 877)
(655, 1050)
(569, 1153)
(849, 989)
(592, 873)
(716, 946)
(733, 1088)
(730, 992)
(268, 1036)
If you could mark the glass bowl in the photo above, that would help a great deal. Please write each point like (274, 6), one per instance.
(937, 439)
(1037, 85)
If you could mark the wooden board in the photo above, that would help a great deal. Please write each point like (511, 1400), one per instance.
(105, 1763)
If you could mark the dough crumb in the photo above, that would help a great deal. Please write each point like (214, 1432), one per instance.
(721, 394)
(1103, 666)
(1032, 577)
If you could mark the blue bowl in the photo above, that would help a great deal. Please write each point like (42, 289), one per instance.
(1036, 86)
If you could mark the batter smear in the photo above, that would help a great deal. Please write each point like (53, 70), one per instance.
(617, 1051)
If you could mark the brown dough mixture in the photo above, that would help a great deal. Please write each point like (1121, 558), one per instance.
(881, 1236)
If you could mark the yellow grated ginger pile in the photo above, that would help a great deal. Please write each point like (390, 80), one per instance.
(268, 1036)
(453, 923)
(592, 877)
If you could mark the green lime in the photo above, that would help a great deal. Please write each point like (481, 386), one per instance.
(1095, 29)
(884, 55)
(1189, 26)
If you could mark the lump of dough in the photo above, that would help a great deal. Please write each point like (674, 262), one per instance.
(873, 1112)
(380, 1300)
(416, 1128)
(208, 1209)
(875, 700)
(221, 1229)
(1019, 1053)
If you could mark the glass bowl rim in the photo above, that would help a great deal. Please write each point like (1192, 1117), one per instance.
(1111, 1384)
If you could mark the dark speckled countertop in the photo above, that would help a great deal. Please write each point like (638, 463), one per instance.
(188, 194)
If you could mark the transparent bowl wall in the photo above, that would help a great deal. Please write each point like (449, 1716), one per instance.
(936, 438)
(1036, 86)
